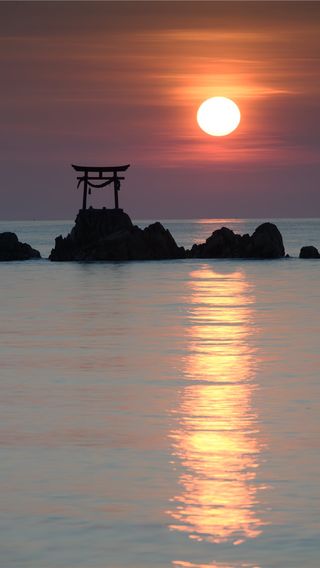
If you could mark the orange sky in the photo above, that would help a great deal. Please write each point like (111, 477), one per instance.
(120, 82)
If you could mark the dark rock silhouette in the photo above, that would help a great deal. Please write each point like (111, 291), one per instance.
(108, 234)
(12, 249)
(309, 252)
(266, 242)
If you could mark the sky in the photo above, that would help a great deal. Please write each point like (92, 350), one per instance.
(110, 83)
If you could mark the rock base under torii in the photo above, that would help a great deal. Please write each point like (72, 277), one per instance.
(109, 234)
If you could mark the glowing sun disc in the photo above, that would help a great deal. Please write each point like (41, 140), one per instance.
(218, 116)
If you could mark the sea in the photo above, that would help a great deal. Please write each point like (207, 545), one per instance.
(161, 413)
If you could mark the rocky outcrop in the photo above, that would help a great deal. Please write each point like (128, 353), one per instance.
(265, 242)
(12, 249)
(109, 234)
(309, 252)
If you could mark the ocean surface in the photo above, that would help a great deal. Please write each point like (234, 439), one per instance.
(161, 414)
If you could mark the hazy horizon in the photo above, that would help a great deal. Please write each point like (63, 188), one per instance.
(137, 218)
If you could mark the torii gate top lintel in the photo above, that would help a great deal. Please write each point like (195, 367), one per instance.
(100, 168)
(87, 179)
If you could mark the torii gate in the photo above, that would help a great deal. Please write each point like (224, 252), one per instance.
(88, 177)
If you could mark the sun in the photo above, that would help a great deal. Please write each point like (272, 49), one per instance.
(218, 116)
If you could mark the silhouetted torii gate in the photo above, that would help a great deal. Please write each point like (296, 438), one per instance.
(99, 180)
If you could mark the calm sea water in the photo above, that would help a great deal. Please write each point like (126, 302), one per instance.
(161, 414)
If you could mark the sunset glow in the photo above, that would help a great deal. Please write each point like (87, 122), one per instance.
(218, 116)
(124, 82)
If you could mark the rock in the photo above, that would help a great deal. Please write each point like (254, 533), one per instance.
(108, 234)
(12, 249)
(161, 243)
(266, 242)
(223, 243)
(93, 225)
(309, 252)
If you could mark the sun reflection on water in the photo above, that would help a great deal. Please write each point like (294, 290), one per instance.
(215, 444)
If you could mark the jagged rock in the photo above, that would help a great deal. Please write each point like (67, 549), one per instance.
(161, 243)
(108, 234)
(12, 249)
(309, 252)
(266, 242)
(223, 243)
